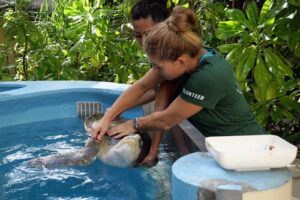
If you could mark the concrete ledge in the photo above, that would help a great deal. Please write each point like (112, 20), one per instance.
(194, 134)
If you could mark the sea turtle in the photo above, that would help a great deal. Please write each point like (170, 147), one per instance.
(125, 152)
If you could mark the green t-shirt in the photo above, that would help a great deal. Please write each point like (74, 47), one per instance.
(225, 109)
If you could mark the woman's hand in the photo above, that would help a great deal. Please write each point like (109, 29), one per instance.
(100, 129)
(122, 130)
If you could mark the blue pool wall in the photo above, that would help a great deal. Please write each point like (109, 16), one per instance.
(36, 101)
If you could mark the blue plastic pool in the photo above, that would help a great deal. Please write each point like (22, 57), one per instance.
(40, 119)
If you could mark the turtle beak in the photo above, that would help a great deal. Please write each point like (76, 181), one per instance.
(110, 140)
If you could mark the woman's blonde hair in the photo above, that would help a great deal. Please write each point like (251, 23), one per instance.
(173, 37)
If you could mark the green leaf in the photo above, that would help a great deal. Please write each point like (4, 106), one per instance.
(289, 103)
(89, 49)
(271, 91)
(249, 65)
(239, 16)
(288, 86)
(261, 74)
(227, 29)
(269, 22)
(264, 11)
(240, 65)
(77, 47)
(259, 94)
(34, 36)
(294, 2)
(20, 37)
(277, 62)
(262, 114)
(175, 1)
(292, 38)
(70, 11)
(235, 14)
(297, 49)
(225, 48)
(288, 115)
(276, 114)
(235, 53)
(75, 31)
(273, 68)
(283, 113)
(252, 12)
(277, 8)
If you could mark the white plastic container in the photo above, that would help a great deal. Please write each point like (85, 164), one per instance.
(253, 152)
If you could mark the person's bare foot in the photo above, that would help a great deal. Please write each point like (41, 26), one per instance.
(149, 161)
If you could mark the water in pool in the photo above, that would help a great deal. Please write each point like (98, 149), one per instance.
(19, 144)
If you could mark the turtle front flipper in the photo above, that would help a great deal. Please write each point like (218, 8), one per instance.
(83, 156)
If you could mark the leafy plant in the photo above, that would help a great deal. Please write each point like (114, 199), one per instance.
(20, 30)
(265, 75)
(75, 39)
(209, 14)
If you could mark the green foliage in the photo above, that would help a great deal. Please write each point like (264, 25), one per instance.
(265, 75)
(209, 13)
(4, 63)
(19, 29)
(78, 39)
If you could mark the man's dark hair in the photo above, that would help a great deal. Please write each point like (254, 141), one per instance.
(155, 9)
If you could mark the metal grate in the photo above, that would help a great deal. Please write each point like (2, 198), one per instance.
(86, 108)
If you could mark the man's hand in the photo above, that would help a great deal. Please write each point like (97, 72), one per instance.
(122, 130)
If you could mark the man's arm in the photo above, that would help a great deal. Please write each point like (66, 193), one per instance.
(131, 97)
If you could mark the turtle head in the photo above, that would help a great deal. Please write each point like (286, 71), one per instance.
(109, 140)
(90, 122)
(94, 118)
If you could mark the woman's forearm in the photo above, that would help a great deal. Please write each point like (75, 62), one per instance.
(155, 121)
(166, 119)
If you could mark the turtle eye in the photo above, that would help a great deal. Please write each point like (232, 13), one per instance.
(141, 143)
(113, 141)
